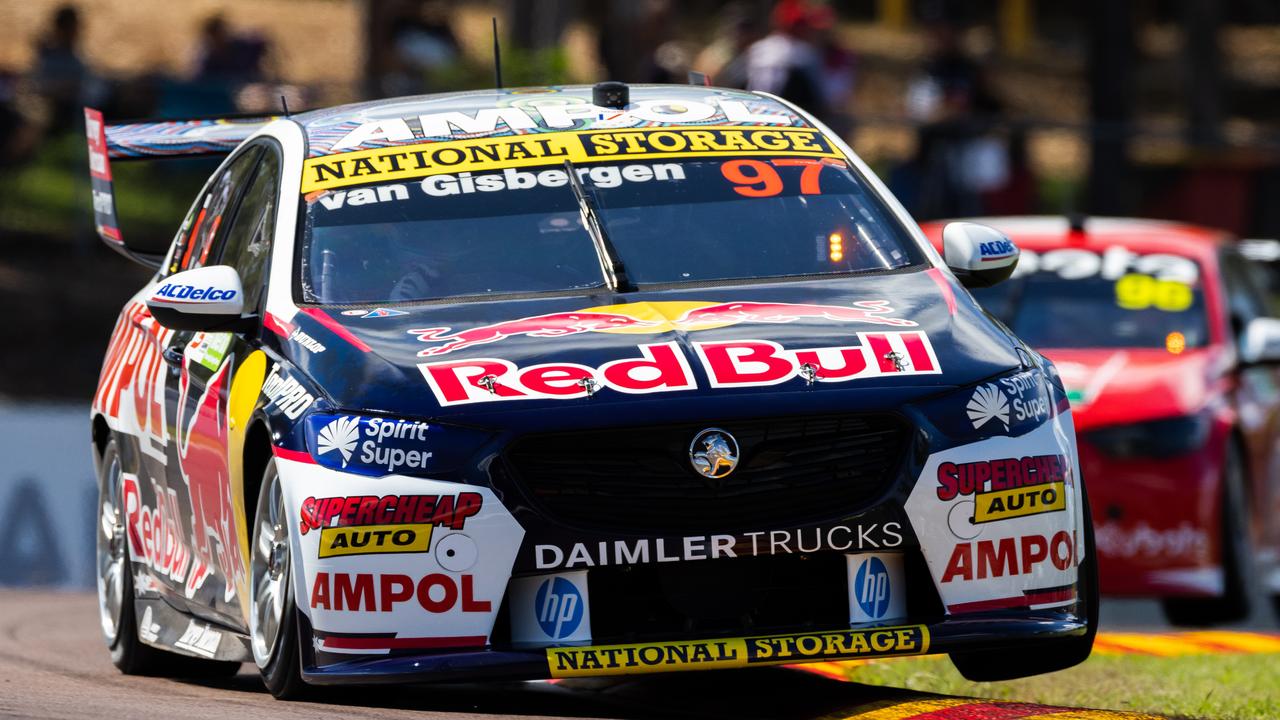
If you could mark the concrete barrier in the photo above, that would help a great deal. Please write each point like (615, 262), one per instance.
(47, 496)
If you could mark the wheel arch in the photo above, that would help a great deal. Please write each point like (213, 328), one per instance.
(257, 453)
(100, 433)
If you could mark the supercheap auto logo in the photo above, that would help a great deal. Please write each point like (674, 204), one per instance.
(368, 524)
(1007, 487)
(737, 652)
(586, 146)
(662, 367)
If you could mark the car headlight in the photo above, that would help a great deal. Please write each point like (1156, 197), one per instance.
(377, 445)
(1154, 439)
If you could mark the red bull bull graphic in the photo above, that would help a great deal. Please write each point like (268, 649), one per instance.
(662, 367)
(658, 317)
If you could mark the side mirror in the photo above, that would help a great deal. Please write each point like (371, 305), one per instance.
(208, 298)
(980, 256)
(1260, 342)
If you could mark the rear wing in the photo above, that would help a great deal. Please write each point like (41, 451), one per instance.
(150, 141)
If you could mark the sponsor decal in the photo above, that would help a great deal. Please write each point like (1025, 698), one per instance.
(737, 652)
(996, 250)
(1009, 400)
(377, 444)
(148, 628)
(653, 318)
(306, 340)
(199, 639)
(1112, 264)
(383, 592)
(562, 112)
(1186, 542)
(550, 609)
(583, 146)
(1007, 487)
(286, 393)
(208, 349)
(190, 293)
(203, 442)
(156, 537)
(131, 389)
(371, 539)
(374, 313)
(1006, 557)
(663, 368)
(839, 538)
(878, 587)
(449, 511)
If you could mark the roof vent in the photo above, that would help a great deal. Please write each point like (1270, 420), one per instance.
(611, 94)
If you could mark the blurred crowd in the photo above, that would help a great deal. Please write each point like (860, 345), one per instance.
(966, 161)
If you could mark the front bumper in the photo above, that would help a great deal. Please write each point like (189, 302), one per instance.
(987, 631)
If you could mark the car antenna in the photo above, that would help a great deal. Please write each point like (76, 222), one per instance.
(497, 56)
(284, 103)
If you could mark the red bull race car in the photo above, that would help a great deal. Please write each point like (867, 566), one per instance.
(564, 382)
(1167, 346)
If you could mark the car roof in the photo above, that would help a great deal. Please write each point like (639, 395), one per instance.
(1036, 232)
(328, 126)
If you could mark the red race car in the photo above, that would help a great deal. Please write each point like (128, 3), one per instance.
(1163, 336)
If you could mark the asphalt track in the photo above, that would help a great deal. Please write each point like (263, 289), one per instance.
(53, 665)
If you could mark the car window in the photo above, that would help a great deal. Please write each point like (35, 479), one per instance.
(195, 241)
(520, 230)
(1245, 297)
(248, 240)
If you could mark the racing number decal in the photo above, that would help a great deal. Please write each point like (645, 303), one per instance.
(757, 178)
(1136, 291)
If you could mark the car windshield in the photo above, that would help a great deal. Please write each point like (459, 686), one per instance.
(1077, 298)
(520, 230)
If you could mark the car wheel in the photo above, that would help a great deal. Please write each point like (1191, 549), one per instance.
(1035, 658)
(115, 589)
(273, 618)
(1237, 558)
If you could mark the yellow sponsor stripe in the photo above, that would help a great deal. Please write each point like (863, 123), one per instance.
(402, 162)
(1020, 502)
(373, 539)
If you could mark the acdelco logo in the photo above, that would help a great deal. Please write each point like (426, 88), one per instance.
(178, 291)
(368, 540)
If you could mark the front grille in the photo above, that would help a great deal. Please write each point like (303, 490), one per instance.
(792, 470)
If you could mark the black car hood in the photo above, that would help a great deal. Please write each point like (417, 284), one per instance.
(399, 359)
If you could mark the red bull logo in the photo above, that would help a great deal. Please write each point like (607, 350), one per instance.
(662, 367)
(653, 318)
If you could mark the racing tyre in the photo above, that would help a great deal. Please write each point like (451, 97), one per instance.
(1051, 655)
(273, 617)
(115, 589)
(1237, 558)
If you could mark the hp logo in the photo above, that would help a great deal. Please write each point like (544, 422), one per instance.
(559, 607)
(871, 588)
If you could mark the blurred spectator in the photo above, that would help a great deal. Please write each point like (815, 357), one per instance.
(228, 59)
(787, 62)
(60, 77)
(724, 60)
(1017, 195)
(422, 43)
(961, 165)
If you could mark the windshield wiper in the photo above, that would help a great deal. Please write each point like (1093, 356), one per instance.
(615, 273)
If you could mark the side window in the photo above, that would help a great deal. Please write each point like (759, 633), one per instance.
(248, 240)
(195, 240)
(1245, 301)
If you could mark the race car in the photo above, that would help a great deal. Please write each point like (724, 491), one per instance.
(1166, 344)
(565, 382)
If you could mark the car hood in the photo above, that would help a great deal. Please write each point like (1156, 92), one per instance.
(399, 359)
(1117, 386)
